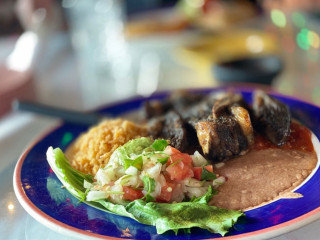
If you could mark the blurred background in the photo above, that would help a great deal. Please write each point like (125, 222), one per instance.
(80, 54)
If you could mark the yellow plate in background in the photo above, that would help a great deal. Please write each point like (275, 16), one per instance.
(207, 50)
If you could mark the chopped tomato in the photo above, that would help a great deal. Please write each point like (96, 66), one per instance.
(167, 176)
(209, 168)
(178, 156)
(197, 171)
(131, 194)
(166, 192)
(179, 166)
(172, 150)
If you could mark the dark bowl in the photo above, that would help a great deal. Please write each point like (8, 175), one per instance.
(262, 70)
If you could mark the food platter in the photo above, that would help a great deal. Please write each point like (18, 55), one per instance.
(39, 190)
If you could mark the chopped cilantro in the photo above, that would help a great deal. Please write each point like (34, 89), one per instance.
(207, 175)
(159, 144)
(163, 160)
(137, 163)
(149, 186)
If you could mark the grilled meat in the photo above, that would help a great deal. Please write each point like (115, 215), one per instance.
(174, 130)
(226, 136)
(179, 101)
(271, 117)
(222, 105)
(242, 117)
(207, 136)
(155, 126)
(220, 123)
(183, 101)
(171, 127)
(156, 108)
(201, 111)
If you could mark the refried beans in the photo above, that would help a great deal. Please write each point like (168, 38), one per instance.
(267, 172)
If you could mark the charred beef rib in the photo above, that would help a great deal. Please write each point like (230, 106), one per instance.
(174, 129)
(223, 104)
(228, 132)
(173, 117)
(271, 117)
(219, 123)
(170, 126)
(180, 101)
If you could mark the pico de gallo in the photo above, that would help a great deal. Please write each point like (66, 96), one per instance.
(152, 171)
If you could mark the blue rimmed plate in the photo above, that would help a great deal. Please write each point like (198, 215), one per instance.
(40, 193)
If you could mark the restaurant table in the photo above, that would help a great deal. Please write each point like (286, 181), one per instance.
(19, 129)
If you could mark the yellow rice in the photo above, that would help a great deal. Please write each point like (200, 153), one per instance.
(93, 149)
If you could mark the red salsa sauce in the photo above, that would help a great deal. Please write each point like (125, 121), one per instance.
(299, 139)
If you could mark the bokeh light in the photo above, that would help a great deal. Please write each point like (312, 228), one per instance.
(278, 18)
(254, 44)
(298, 19)
(313, 39)
(302, 39)
(195, 3)
(10, 207)
(307, 38)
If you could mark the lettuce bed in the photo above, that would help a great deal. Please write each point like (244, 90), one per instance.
(164, 216)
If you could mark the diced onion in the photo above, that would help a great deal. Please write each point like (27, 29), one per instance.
(168, 151)
(116, 198)
(177, 193)
(119, 171)
(162, 180)
(154, 171)
(128, 180)
(156, 191)
(196, 191)
(131, 170)
(219, 165)
(86, 184)
(219, 181)
(191, 182)
(198, 160)
(96, 195)
(104, 176)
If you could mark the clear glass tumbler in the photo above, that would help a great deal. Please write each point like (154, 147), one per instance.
(96, 28)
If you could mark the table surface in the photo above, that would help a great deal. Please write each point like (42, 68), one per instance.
(17, 130)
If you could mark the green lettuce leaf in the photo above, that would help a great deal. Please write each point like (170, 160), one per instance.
(71, 178)
(176, 216)
(164, 216)
(135, 146)
(184, 215)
